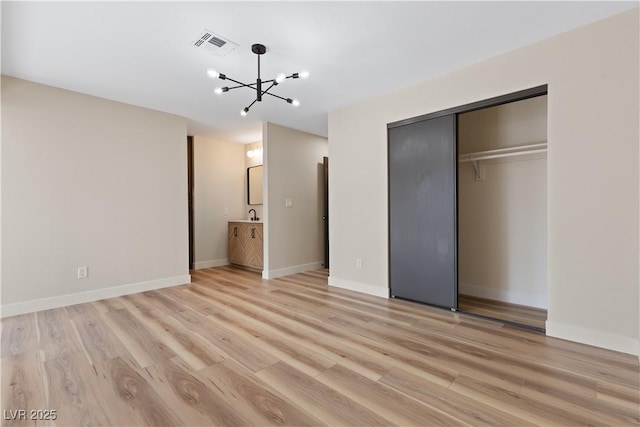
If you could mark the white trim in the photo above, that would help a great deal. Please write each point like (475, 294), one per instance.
(364, 288)
(88, 296)
(273, 274)
(593, 337)
(210, 263)
(506, 295)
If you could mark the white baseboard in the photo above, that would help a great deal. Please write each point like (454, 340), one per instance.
(210, 263)
(88, 296)
(593, 337)
(539, 301)
(280, 272)
(364, 288)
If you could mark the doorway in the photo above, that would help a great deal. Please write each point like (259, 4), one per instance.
(502, 212)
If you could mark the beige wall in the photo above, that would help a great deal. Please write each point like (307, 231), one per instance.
(219, 177)
(88, 182)
(502, 219)
(293, 236)
(593, 192)
(508, 125)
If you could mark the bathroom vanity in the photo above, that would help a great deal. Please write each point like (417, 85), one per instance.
(246, 244)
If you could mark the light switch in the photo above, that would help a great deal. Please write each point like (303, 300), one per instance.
(288, 203)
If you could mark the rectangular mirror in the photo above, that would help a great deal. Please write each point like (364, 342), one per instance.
(254, 185)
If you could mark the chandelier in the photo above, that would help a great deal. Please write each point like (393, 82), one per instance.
(258, 49)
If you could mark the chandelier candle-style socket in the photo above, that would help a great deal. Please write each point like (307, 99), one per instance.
(258, 49)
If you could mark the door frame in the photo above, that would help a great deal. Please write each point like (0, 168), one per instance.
(478, 105)
(465, 108)
(190, 200)
(325, 217)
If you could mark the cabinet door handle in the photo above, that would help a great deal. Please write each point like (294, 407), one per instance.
(235, 231)
(253, 233)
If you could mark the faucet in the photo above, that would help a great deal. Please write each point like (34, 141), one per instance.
(254, 217)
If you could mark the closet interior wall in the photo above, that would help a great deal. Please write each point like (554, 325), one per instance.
(502, 217)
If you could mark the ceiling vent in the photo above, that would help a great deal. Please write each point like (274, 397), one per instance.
(214, 43)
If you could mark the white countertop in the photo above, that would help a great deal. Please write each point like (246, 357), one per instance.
(246, 220)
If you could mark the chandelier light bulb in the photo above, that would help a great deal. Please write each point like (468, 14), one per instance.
(295, 103)
(213, 73)
(304, 74)
(218, 90)
(280, 78)
(244, 112)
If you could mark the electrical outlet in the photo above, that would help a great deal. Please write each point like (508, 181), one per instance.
(226, 211)
(288, 203)
(83, 272)
(359, 264)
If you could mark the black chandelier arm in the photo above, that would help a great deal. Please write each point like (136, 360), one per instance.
(251, 105)
(274, 95)
(266, 91)
(239, 86)
(240, 83)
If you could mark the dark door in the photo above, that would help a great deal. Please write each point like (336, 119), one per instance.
(325, 216)
(422, 211)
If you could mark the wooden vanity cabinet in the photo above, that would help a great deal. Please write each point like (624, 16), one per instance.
(245, 245)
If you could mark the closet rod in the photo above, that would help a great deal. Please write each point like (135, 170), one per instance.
(504, 152)
(474, 157)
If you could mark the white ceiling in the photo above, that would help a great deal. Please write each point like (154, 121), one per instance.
(140, 52)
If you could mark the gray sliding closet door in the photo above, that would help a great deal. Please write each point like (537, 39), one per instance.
(422, 211)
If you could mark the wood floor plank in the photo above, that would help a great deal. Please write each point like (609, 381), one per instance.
(70, 393)
(600, 411)
(19, 335)
(529, 316)
(24, 374)
(183, 392)
(234, 349)
(142, 343)
(318, 338)
(374, 394)
(97, 339)
(56, 336)
(526, 346)
(465, 409)
(192, 348)
(230, 346)
(320, 400)
(107, 305)
(280, 344)
(281, 349)
(624, 397)
(196, 351)
(144, 405)
(254, 399)
(530, 409)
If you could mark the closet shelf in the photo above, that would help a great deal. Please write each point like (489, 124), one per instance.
(499, 153)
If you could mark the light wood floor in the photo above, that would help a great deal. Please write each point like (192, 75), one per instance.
(523, 315)
(233, 349)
